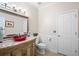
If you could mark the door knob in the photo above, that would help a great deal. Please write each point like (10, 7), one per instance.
(75, 33)
(58, 35)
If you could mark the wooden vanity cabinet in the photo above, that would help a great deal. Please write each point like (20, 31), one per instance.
(23, 49)
(5, 51)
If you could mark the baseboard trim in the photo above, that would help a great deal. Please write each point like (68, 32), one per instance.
(55, 52)
(51, 50)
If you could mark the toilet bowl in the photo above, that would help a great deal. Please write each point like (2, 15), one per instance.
(41, 47)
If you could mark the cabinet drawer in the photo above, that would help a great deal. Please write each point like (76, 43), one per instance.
(24, 49)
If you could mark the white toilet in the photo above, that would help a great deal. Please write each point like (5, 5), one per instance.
(41, 47)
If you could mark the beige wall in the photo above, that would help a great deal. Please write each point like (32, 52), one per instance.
(33, 20)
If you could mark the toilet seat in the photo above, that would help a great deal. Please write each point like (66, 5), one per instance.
(41, 44)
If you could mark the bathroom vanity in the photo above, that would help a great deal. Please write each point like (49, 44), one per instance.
(20, 48)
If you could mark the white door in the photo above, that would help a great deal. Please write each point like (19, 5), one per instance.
(67, 33)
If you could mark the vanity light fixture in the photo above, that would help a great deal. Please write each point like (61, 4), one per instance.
(13, 7)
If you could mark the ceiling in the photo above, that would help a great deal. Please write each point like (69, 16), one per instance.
(33, 4)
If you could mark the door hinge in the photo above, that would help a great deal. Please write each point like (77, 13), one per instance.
(75, 51)
(75, 15)
(75, 33)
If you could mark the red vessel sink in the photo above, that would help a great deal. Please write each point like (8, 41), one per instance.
(19, 38)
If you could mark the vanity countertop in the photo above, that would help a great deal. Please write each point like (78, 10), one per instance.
(9, 42)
